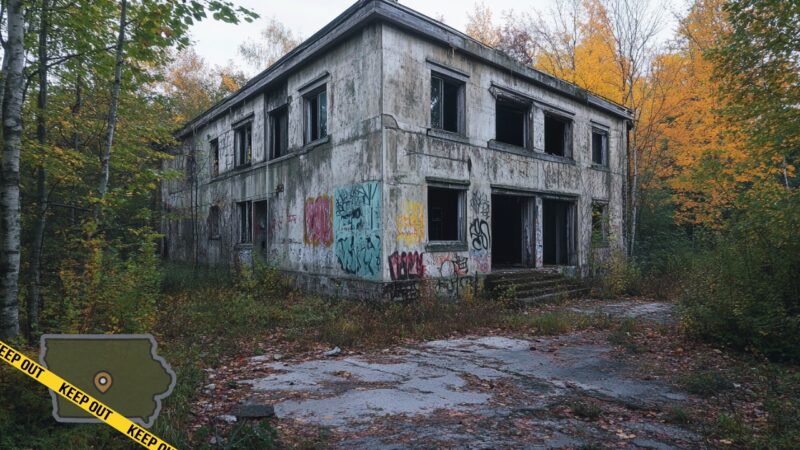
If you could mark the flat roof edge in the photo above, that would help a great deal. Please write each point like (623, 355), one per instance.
(365, 11)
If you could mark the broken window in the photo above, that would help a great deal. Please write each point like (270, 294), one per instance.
(213, 222)
(245, 222)
(599, 224)
(280, 131)
(447, 104)
(214, 152)
(243, 142)
(445, 213)
(599, 147)
(557, 135)
(511, 123)
(316, 115)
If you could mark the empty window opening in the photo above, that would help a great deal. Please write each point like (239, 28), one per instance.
(214, 152)
(245, 222)
(507, 234)
(280, 131)
(599, 224)
(511, 123)
(244, 144)
(213, 222)
(446, 104)
(556, 135)
(316, 109)
(600, 147)
(557, 232)
(260, 227)
(445, 208)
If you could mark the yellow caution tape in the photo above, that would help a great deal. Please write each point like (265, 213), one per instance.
(86, 402)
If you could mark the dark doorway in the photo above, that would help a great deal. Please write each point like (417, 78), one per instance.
(507, 230)
(557, 232)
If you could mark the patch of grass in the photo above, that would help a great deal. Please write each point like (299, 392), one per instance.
(586, 410)
(242, 436)
(678, 415)
(706, 383)
(560, 321)
(624, 336)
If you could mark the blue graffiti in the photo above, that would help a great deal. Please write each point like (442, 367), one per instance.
(357, 229)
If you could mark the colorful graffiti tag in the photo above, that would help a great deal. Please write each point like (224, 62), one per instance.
(406, 266)
(318, 227)
(449, 265)
(411, 223)
(357, 229)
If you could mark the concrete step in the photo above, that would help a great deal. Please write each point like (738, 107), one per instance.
(518, 276)
(571, 293)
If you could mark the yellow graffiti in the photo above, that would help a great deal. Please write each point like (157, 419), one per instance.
(411, 223)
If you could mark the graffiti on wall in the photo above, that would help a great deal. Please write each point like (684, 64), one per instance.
(318, 227)
(479, 233)
(448, 265)
(480, 204)
(481, 260)
(454, 287)
(411, 223)
(357, 229)
(406, 266)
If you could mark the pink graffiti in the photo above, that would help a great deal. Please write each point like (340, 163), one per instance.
(406, 266)
(318, 221)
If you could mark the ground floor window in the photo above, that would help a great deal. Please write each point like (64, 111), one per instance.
(445, 214)
(245, 222)
(599, 224)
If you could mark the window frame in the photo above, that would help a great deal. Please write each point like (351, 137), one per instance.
(602, 240)
(282, 110)
(461, 215)
(214, 219)
(604, 151)
(527, 123)
(461, 111)
(309, 97)
(245, 210)
(239, 161)
(569, 124)
(213, 152)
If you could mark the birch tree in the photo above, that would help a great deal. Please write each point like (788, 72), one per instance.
(9, 197)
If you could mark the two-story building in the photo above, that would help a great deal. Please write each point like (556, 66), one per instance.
(388, 148)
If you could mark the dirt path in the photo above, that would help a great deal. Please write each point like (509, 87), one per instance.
(481, 392)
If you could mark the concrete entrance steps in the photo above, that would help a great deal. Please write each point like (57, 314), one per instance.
(531, 286)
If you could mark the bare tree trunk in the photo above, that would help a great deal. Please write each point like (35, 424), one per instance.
(9, 197)
(112, 111)
(34, 290)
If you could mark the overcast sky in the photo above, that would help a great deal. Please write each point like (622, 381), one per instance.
(218, 43)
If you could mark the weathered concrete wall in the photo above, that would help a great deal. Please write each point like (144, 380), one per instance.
(414, 154)
(348, 216)
(300, 189)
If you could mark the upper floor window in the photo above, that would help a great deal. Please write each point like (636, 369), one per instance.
(557, 135)
(447, 104)
(279, 124)
(599, 147)
(243, 143)
(213, 151)
(511, 122)
(316, 114)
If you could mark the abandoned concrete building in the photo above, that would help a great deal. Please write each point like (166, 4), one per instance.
(389, 148)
